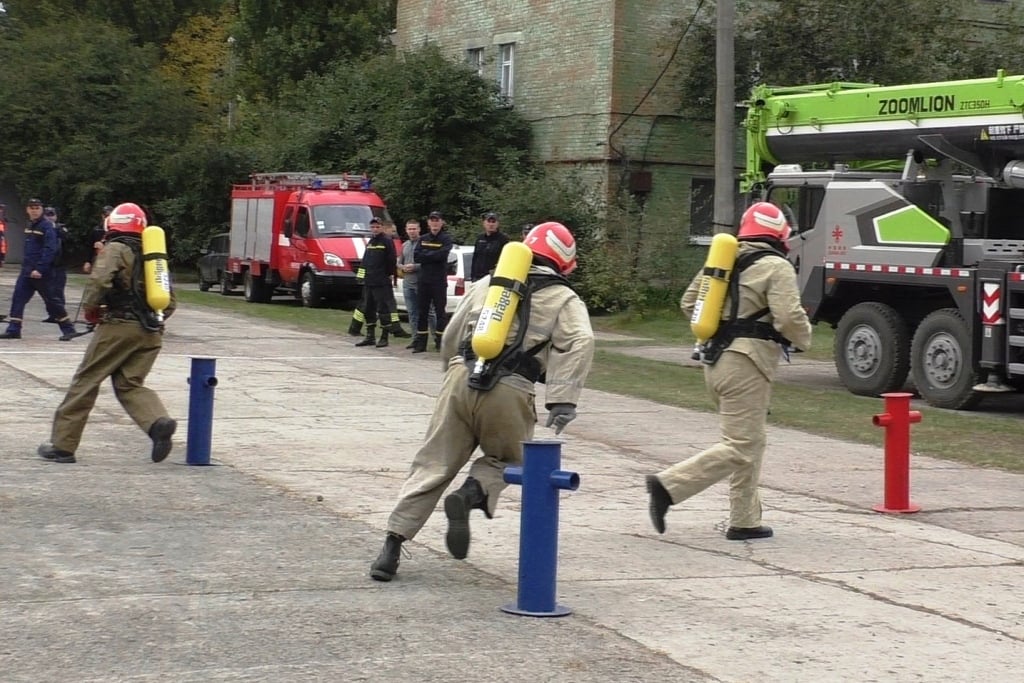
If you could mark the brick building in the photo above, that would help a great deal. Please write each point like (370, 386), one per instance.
(585, 73)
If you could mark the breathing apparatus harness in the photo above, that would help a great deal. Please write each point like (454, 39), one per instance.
(735, 327)
(130, 302)
(513, 359)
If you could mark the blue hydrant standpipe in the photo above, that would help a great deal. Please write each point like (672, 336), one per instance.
(200, 410)
(541, 480)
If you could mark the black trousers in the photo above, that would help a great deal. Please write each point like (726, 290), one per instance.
(435, 293)
(376, 304)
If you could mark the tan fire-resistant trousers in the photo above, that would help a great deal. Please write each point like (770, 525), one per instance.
(498, 421)
(123, 351)
(742, 394)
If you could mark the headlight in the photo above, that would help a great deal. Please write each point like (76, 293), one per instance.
(333, 260)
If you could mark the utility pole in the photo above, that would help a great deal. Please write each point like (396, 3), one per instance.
(231, 82)
(725, 112)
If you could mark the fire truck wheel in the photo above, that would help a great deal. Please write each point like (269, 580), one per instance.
(943, 367)
(255, 289)
(204, 286)
(309, 293)
(872, 349)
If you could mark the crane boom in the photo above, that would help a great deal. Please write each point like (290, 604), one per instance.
(978, 123)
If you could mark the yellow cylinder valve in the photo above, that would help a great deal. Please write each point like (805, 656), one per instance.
(156, 274)
(495, 321)
(714, 285)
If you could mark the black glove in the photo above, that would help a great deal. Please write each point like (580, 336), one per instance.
(559, 415)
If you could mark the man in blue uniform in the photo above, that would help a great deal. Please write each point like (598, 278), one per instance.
(37, 275)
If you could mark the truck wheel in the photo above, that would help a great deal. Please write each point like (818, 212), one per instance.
(872, 349)
(204, 286)
(255, 290)
(309, 293)
(227, 283)
(943, 367)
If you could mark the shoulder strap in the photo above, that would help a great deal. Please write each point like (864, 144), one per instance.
(742, 263)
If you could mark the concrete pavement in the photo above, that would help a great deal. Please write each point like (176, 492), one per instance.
(118, 569)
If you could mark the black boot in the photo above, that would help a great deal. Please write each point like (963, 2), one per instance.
(456, 508)
(355, 328)
(659, 504)
(398, 331)
(383, 341)
(371, 336)
(385, 566)
(50, 452)
(161, 432)
(419, 342)
(735, 533)
(437, 341)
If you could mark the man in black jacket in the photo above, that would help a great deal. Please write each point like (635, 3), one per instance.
(488, 248)
(432, 254)
(380, 265)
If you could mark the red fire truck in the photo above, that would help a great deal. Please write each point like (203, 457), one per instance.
(301, 233)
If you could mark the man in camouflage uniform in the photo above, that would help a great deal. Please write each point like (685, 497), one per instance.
(768, 314)
(124, 347)
(558, 343)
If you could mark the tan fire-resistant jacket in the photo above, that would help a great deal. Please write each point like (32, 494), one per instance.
(769, 282)
(557, 315)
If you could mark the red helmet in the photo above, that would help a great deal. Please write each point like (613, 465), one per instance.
(126, 217)
(554, 242)
(764, 220)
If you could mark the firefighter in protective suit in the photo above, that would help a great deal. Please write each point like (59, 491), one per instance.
(126, 342)
(556, 343)
(761, 321)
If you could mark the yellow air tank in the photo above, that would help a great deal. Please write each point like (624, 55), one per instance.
(156, 275)
(714, 285)
(507, 287)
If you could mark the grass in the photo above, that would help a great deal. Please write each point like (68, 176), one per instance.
(836, 414)
(668, 326)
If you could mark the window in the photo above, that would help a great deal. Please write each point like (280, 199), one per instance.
(506, 73)
(475, 60)
(702, 209)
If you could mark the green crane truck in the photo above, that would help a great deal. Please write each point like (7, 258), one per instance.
(907, 208)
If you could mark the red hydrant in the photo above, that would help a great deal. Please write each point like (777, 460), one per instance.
(897, 419)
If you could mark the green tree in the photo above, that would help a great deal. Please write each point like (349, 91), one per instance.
(91, 123)
(150, 21)
(795, 42)
(429, 130)
(281, 41)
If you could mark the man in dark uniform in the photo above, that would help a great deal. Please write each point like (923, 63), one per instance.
(59, 280)
(379, 266)
(37, 275)
(487, 248)
(124, 347)
(432, 254)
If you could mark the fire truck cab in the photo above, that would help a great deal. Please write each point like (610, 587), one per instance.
(301, 233)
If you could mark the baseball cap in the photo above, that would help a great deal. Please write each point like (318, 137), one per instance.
(490, 216)
(435, 214)
(34, 202)
(374, 220)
